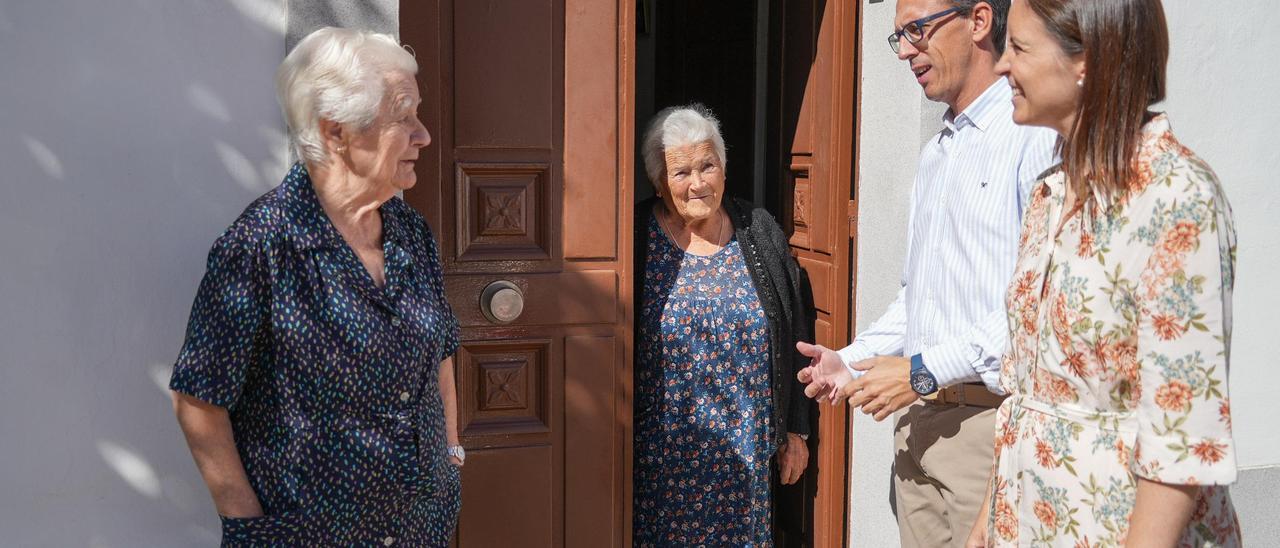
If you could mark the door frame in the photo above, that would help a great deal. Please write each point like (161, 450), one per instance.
(819, 204)
(842, 103)
(626, 127)
(831, 519)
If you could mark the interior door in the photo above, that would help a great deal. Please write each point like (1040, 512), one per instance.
(525, 185)
(814, 65)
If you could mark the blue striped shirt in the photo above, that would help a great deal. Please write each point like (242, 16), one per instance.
(962, 243)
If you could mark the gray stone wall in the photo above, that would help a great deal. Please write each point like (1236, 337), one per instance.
(305, 16)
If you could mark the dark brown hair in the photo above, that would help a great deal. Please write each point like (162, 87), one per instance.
(1126, 47)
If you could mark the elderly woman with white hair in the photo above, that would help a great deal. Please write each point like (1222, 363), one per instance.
(315, 386)
(722, 303)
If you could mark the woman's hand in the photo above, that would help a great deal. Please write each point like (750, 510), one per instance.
(793, 458)
(978, 533)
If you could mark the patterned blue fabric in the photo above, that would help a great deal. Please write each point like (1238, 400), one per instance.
(332, 382)
(703, 402)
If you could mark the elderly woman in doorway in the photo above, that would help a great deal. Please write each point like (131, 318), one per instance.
(721, 305)
(315, 386)
(1117, 430)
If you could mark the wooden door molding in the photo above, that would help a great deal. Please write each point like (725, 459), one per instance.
(598, 193)
(845, 105)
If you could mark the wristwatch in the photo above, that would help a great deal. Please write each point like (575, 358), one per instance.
(922, 381)
(458, 452)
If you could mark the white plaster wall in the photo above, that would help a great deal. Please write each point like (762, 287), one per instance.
(1220, 103)
(131, 134)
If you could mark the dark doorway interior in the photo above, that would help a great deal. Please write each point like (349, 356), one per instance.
(707, 52)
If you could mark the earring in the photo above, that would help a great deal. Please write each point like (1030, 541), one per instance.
(1080, 82)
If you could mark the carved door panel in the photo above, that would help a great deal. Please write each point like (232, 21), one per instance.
(523, 184)
(814, 53)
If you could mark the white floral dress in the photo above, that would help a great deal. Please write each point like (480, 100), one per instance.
(1120, 331)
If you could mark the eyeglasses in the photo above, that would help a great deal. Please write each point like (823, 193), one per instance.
(914, 30)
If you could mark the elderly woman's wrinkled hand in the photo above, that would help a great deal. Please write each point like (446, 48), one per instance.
(826, 372)
(793, 458)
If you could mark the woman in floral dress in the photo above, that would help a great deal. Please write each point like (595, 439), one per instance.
(1118, 428)
(718, 409)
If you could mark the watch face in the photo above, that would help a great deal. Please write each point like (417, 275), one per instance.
(923, 383)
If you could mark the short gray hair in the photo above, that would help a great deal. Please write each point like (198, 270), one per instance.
(676, 127)
(339, 75)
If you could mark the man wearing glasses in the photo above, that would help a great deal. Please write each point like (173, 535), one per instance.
(936, 350)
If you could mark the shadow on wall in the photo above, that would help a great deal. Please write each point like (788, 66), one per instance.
(129, 145)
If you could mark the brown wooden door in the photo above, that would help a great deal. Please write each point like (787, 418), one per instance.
(813, 50)
(528, 181)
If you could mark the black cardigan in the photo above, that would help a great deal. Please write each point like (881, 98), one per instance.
(785, 295)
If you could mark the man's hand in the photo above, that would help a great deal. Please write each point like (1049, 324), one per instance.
(826, 372)
(792, 459)
(883, 389)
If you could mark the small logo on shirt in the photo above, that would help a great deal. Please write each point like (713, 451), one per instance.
(984, 184)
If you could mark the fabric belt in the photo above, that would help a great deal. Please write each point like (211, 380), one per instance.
(975, 394)
(1102, 420)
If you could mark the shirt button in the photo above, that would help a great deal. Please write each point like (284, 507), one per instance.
(404, 396)
(396, 322)
(388, 541)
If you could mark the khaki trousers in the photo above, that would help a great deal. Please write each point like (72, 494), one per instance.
(942, 458)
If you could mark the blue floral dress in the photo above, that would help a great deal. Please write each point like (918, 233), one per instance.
(703, 401)
(332, 383)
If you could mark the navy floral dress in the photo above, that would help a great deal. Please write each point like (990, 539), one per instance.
(703, 401)
(332, 382)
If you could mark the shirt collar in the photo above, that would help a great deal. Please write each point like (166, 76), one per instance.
(1155, 128)
(311, 227)
(395, 228)
(995, 101)
(308, 224)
